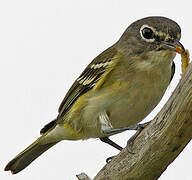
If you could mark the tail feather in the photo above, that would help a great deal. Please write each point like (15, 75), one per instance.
(48, 126)
(27, 156)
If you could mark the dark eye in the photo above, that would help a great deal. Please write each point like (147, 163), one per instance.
(147, 33)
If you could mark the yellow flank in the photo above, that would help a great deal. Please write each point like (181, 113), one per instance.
(72, 133)
(109, 68)
(71, 121)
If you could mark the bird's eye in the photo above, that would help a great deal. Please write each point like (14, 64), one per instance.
(147, 33)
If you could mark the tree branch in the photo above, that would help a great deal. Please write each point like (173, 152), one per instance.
(160, 142)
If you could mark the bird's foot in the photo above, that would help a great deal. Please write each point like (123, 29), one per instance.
(109, 159)
(138, 128)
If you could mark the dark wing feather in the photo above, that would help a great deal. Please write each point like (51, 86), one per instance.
(84, 83)
(48, 126)
(80, 87)
(87, 79)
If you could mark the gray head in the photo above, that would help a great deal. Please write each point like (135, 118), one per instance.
(150, 34)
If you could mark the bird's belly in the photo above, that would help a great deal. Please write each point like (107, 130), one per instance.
(124, 109)
(132, 109)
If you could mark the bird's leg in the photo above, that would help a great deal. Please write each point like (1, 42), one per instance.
(118, 130)
(107, 128)
(108, 141)
(138, 128)
(106, 125)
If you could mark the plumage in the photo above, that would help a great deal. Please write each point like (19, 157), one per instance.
(119, 88)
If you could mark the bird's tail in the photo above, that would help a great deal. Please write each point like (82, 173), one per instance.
(27, 156)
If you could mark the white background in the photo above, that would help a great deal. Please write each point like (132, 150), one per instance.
(44, 46)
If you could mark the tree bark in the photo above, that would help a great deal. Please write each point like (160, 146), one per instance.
(160, 142)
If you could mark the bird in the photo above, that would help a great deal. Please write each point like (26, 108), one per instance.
(117, 90)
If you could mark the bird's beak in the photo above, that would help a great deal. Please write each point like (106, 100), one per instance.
(173, 45)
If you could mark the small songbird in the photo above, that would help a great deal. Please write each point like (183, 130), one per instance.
(118, 89)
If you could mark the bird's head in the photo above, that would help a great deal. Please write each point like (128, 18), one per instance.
(154, 37)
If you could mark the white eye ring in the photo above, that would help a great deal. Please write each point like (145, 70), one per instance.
(145, 26)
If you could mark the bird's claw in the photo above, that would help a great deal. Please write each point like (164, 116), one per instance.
(138, 128)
